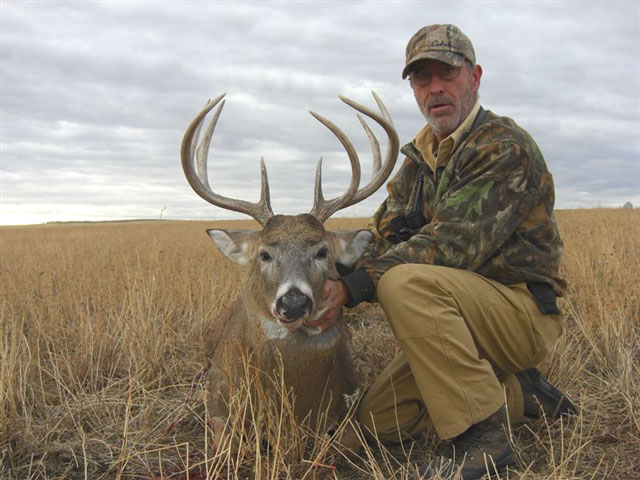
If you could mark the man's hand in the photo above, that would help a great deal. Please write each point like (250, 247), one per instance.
(336, 296)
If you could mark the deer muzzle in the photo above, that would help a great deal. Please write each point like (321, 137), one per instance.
(293, 305)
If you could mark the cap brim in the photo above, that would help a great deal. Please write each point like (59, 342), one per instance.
(450, 58)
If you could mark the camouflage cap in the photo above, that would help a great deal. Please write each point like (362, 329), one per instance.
(445, 43)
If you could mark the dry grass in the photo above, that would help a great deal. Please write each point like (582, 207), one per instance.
(101, 343)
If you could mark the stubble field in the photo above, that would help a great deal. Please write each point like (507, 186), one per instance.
(101, 343)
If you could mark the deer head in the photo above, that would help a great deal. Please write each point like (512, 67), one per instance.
(292, 256)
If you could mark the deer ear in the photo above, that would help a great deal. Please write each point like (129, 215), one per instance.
(352, 245)
(236, 245)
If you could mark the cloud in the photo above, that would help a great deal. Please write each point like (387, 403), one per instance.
(96, 96)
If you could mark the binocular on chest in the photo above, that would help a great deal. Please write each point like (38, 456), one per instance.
(405, 226)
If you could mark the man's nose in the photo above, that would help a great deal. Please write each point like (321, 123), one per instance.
(436, 85)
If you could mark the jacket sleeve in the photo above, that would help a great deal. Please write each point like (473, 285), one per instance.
(493, 190)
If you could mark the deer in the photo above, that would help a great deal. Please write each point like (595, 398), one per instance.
(289, 260)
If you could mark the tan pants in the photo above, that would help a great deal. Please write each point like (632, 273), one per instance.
(462, 338)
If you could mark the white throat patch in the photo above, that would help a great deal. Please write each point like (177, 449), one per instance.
(272, 330)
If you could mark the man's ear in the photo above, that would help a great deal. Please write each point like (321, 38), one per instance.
(237, 245)
(476, 75)
(351, 245)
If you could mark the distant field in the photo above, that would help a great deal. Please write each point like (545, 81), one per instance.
(101, 329)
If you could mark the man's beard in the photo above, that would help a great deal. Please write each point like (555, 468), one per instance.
(447, 124)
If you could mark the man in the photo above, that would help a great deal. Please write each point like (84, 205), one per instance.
(465, 265)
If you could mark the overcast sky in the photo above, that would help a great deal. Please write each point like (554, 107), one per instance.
(95, 97)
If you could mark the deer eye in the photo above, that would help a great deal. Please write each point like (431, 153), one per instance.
(264, 256)
(322, 253)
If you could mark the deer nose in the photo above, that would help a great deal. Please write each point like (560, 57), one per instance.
(293, 305)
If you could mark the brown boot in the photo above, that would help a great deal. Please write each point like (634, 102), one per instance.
(483, 449)
(539, 394)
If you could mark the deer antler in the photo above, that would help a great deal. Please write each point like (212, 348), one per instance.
(194, 164)
(198, 177)
(323, 209)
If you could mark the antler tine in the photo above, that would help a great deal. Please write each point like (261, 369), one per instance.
(203, 149)
(380, 174)
(323, 209)
(317, 188)
(375, 145)
(198, 178)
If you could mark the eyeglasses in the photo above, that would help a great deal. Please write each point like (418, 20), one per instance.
(422, 78)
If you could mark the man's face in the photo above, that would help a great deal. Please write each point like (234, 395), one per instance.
(444, 96)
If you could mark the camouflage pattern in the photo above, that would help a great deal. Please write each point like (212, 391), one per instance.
(489, 209)
(445, 43)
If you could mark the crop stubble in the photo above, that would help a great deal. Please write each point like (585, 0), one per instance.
(101, 343)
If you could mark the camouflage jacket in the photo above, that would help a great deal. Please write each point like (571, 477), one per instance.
(488, 209)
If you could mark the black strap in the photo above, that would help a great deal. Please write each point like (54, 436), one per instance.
(417, 201)
(482, 113)
(545, 297)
